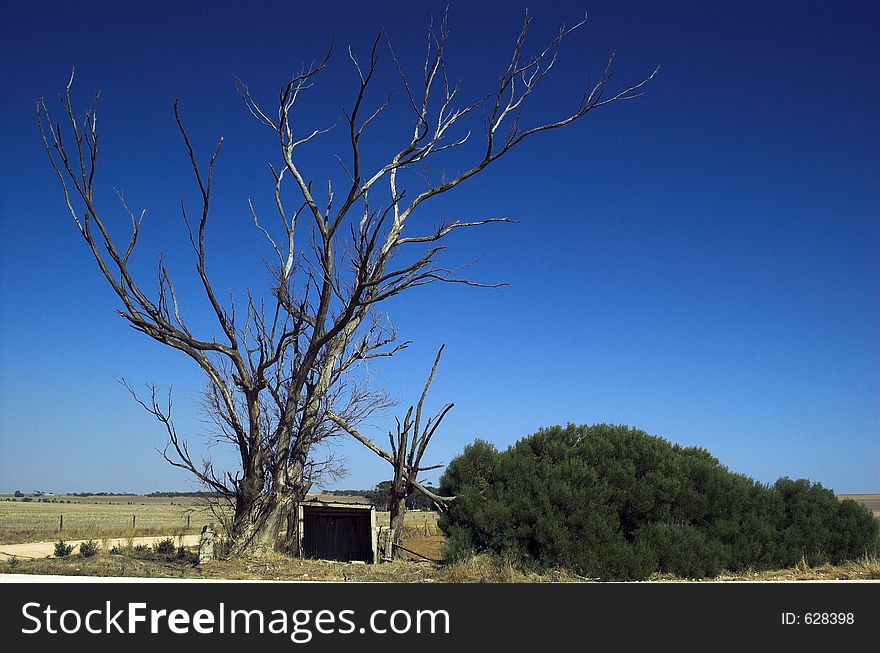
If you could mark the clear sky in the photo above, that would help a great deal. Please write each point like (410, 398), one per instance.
(702, 263)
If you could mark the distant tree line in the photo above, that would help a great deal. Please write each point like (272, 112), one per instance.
(613, 502)
(208, 495)
(380, 496)
(201, 494)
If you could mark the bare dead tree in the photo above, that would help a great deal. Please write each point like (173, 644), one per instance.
(407, 448)
(288, 361)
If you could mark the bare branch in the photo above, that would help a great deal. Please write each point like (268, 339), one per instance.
(183, 460)
(357, 435)
(444, 230)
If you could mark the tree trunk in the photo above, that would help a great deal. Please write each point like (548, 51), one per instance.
(266, 522)
(266, 526)
(252, 533)
(395, 531)
(269, 523)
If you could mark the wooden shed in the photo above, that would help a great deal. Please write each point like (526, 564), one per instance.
(338, 528)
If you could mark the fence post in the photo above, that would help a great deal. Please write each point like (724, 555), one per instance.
(187, 522)
(61, 523)
(133, 519)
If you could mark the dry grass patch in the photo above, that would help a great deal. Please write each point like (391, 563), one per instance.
(489, 569)
(479, 569)
(866, 569)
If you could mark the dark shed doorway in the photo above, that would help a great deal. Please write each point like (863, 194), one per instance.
(337, 531)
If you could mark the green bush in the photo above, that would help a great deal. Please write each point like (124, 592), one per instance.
(166, 547)
(458, 546)
(141, 549)
(613, 502)
(62, 550)
(819, 528)
(88, 549)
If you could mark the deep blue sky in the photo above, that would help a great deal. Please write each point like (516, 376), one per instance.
(702, 263)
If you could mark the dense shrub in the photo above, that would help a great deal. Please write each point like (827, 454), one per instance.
(166, 547)
(616, 503)
(817, 527)
(88, 549)
(458, 546)
(62, 550)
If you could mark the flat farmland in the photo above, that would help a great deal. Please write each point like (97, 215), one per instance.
(71, 517)
(102, 517)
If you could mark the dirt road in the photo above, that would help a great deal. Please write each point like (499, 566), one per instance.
(47, 549)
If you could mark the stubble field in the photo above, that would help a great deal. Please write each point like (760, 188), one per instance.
(71, 517)
(80, 518)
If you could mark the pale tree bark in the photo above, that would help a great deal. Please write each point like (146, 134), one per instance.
(288, 359)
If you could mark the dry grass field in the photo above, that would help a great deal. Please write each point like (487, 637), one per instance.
(481, 569)
(104, 517)
(99, 517)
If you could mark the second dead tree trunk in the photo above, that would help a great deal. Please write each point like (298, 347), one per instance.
(408, 446)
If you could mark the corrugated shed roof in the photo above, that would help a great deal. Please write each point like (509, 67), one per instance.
(344, 500)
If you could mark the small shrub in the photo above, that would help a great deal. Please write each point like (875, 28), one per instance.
(62, 550)
(141, 549)
(165, 547)
(181, 553)
(115, 551)
(88, 549)
(13, 561)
